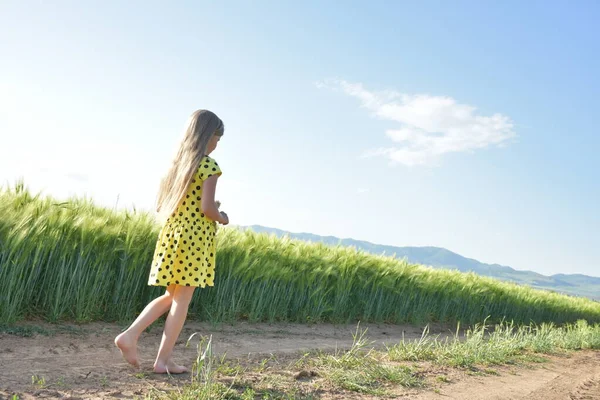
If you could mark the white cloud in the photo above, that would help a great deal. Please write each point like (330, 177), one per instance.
(429, 126)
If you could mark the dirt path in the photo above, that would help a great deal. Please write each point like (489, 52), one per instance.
(573, 377)
(82, 363)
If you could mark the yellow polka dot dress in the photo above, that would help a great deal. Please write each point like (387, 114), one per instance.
(186, 248)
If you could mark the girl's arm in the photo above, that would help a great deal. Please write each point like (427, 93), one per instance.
(209, 207)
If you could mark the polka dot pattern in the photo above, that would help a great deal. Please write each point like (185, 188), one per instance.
(185, 251)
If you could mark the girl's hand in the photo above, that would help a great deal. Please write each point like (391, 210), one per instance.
(224, 218)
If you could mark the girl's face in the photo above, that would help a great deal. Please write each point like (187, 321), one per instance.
(212, 144)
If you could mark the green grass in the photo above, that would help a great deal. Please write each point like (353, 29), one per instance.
(28, 330)
(358, 370)
(79, 262)
(505, 343)
(361, 369)
(24, 331)
(381, 372)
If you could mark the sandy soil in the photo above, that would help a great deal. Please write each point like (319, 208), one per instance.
(81, 362)
(572, 377)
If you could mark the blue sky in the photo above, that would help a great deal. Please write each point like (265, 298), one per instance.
(470, 126)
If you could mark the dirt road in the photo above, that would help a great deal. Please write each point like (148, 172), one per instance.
(81, 362)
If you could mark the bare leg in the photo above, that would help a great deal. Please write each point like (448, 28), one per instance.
(175, 320)
(127, 341)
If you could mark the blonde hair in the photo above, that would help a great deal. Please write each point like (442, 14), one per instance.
(202, 125)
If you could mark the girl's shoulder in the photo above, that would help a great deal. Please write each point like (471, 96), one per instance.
(208, 160)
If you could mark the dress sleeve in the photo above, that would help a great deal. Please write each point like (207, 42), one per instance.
(208, 168)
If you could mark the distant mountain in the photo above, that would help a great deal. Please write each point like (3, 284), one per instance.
(575, 284)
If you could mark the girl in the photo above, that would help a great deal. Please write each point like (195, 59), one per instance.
(184, 257)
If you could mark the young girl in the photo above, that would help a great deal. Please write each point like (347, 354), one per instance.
(184, 257)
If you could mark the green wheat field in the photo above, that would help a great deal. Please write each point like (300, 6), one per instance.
(79, 262)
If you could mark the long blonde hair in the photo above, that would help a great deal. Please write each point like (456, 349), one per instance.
(202, 125)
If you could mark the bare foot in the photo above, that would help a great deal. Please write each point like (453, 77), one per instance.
(170, 367)
(128, 347)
